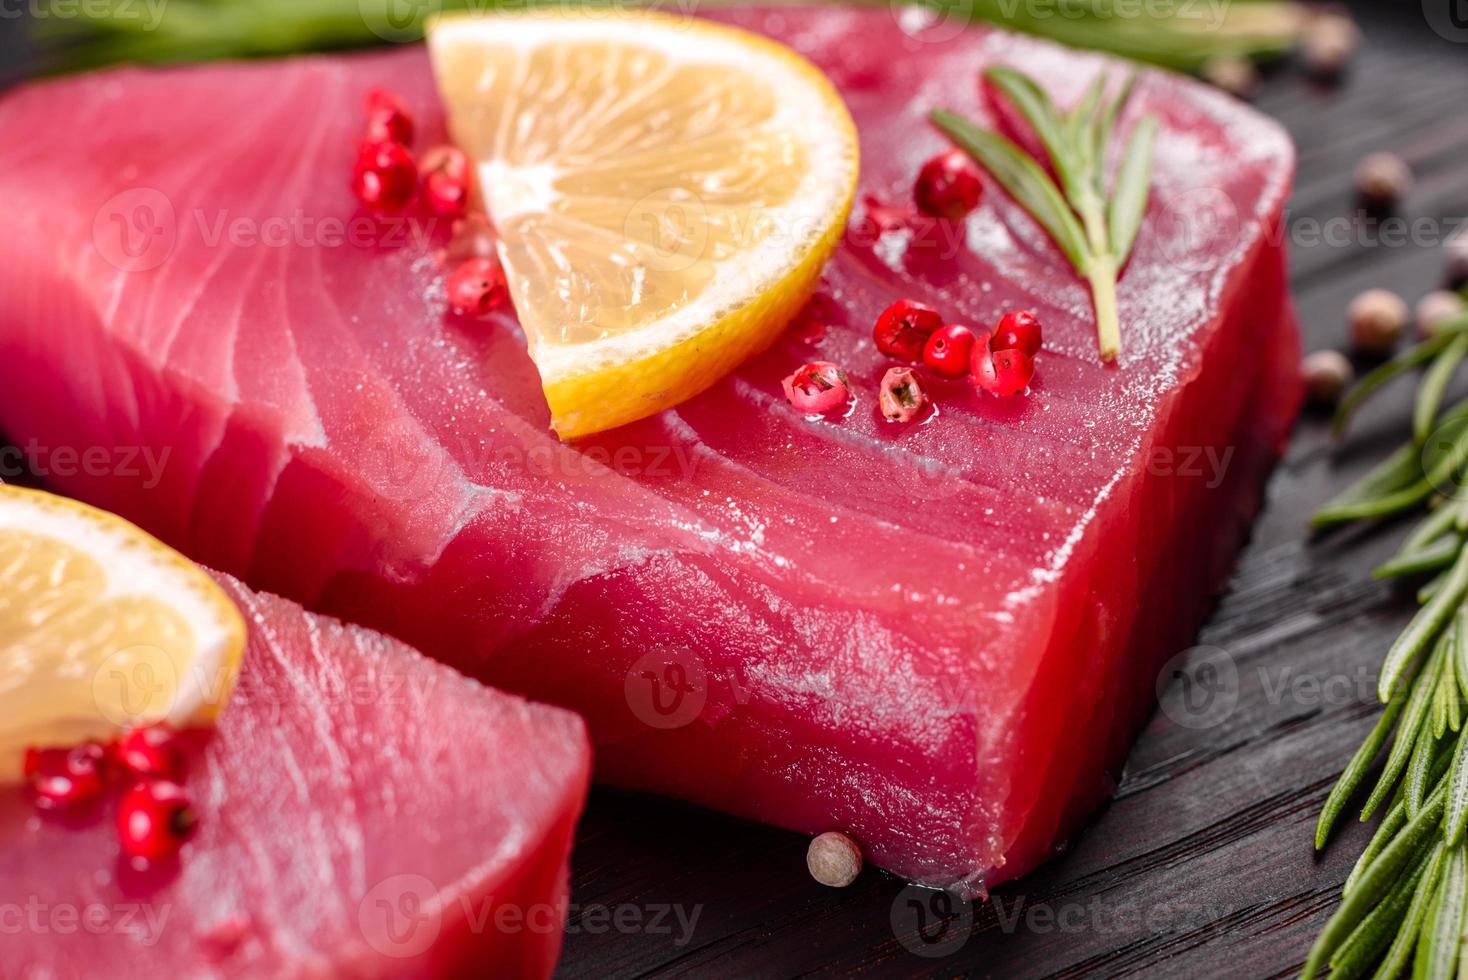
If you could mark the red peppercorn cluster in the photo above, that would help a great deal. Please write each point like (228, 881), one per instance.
(387, 179)
(154, 815)
(1001, 362)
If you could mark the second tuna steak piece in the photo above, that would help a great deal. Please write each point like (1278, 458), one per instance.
(363, 811)
(938, 637)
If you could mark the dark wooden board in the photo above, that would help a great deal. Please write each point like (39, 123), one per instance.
(1201, 865)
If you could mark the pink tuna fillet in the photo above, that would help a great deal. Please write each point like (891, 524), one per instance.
(363, 812)
(939, 637)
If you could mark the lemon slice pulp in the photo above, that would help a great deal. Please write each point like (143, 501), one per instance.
(666, 192)
(102, 629)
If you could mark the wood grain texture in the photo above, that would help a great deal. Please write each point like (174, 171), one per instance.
(1201, 865)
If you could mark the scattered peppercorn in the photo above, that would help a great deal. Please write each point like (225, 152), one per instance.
(1327, 43)
(902, 329)
(152, 750)
(385, 177)
(1455, 269)
(949, 186)
(388, 120)
(1233, 74)
(1434, 308)
(901, 397)
(1382, 180)
(1326, 374)
(1013, 370)
(1018, 329)
(154, 818)
(1000, 372)
(834, 859)
(1378, 318)
(477, 287)
(446, 179)
(817, 387)
(64, 778)
(949, 350)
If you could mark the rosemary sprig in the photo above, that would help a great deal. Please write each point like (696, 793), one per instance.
(1095, 229)
(197, 30)
(1406, 902)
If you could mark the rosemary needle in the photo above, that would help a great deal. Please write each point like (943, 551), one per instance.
(1428, 558)
(1457, 814)
(1425, 626)
(1356, 771)
(1434, 385)
(1095, 227)
(1379, 377)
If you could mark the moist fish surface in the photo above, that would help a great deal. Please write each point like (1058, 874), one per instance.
(939, 637)
(363, 812)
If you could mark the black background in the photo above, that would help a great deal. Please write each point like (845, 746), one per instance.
(1202, 864)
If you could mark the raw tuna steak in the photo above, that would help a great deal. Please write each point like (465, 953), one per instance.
(363, 812)
(939, 637)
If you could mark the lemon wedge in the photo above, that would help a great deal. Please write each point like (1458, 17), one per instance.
(666, 191)
(102, 629)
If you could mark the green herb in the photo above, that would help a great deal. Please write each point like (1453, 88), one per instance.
(1406, 902)
(1095, 229)
(198, 30)
(1402, 363)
